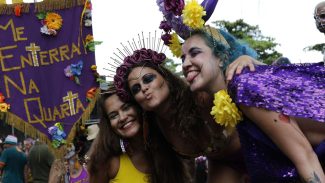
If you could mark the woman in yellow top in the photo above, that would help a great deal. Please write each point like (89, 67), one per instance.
(119, 154)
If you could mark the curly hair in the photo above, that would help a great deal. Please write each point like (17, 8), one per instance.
(180, 97)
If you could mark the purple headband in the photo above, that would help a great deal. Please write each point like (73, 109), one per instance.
(139, 56)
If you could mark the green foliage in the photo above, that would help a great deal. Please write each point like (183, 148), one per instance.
(317, 47)
(171, 65)
(264, 46)
(41, 15)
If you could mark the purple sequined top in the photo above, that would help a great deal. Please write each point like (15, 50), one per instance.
(82, 178)
(294, 90)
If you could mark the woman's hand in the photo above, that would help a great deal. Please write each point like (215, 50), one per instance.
(240, 63)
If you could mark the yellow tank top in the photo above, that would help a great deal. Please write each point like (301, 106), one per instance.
(127, 173)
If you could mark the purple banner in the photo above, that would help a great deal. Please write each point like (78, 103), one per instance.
(32, 64)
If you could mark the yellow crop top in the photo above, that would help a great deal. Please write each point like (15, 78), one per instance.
(127, 173)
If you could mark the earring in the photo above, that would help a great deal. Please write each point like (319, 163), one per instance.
(221, 64)
(122, 146)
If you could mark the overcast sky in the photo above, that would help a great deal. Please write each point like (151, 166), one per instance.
(290, 22)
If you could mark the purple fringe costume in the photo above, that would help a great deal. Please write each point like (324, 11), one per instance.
(296, 90)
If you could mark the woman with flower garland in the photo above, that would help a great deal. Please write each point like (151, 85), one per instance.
(286, 102)
(178, 112)
(118, 154)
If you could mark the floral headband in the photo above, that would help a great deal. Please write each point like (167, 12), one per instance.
(139, 56)
(182, 19)
(137, 52)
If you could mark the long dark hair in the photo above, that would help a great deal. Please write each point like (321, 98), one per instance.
(182, 100)
(168, 167)
(165, 165)
(185, 109)
(106, 146)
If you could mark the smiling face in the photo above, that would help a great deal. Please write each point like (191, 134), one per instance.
(200, 66)
(148, 87)
(122, 116)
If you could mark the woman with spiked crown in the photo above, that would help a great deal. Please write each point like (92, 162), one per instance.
(270, 140)
(179, 113)
(169, 103)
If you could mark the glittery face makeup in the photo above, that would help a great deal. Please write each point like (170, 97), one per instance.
(146, 79)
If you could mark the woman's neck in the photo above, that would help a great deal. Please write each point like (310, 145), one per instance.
(217, 84)
(136, 143)
(163, 110)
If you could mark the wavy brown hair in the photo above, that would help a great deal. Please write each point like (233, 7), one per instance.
(105, 147)
(184, 110)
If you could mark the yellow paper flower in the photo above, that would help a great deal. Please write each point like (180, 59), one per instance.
(53, 21)
(93, 67)
(224, 111)
(192, 15)
(89, 38)
(4, 107)
(175, 46)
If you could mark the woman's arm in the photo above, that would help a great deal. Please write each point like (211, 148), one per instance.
(105, 171)
(286, 134)
(101, 171)
(240, 63)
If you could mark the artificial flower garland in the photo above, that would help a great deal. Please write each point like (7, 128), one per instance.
(191, 18)
(90, 43)
(4, 107)
(175, 46)
(73, 71)
(57, 135)
(52, 22)
(224, 111)
(192, 15)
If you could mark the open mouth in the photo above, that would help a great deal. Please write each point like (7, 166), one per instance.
(126, 125)
(191, 75)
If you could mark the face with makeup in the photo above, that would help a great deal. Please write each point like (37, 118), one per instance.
(200, 65)
(148, 87)
(122, 116)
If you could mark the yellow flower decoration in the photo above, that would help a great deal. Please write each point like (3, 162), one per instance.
(175, 46)
(89, 38)
(53, 21)
(4, 107)
(93, 67)
(224, 111)
(192, 15)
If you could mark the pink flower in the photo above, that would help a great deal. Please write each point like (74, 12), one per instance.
(67, 71)
(120, 71)
(158, 58)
